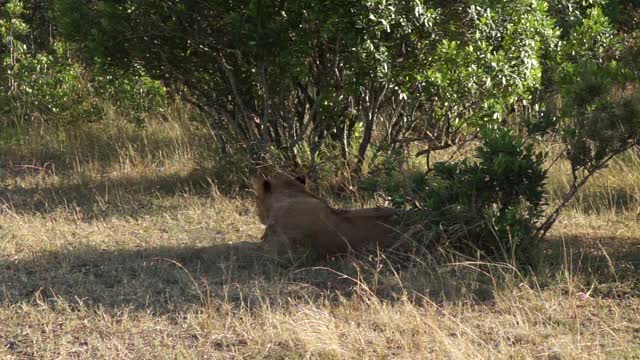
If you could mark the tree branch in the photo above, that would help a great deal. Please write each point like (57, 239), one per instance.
(544, 228)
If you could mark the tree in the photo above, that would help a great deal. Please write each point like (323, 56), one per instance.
(289, 75)
(596, 112)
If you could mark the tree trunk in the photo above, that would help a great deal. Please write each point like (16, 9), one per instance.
(368, 118)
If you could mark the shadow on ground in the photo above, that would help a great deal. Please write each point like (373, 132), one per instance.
(100, 199)
(162, 279)
(157, 278)
(612, 264)
(239, 274)
(244, 275)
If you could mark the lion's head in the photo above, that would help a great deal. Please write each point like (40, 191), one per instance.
(277, 188)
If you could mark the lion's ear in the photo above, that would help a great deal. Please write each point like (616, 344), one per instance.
(266, 186)
(301, 179)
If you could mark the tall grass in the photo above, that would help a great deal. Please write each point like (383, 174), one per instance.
(616, 188)
(165, 141)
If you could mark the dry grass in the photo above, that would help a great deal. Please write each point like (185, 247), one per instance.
(115, 254)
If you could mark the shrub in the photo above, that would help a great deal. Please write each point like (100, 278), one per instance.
(490, 204)
(44, 78)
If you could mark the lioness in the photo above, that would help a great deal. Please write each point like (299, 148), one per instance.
(296, 218)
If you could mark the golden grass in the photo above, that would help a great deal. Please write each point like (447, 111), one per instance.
(116, 254)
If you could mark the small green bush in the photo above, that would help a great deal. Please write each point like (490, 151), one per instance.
(490, 204)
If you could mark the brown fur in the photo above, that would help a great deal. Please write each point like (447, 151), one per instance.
(296, 218)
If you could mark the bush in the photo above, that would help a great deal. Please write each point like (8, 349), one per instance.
(491, 204)
(360, 73)
(44, 78)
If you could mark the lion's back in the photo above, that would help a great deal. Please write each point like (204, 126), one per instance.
(295, 217)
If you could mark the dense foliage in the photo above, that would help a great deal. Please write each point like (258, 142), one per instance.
(292, 75)
(488, 203)
(357, 85)
(42, 78)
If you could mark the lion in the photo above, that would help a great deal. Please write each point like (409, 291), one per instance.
(295, 218)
